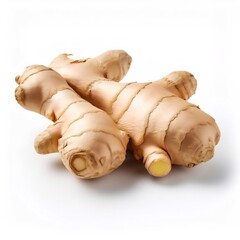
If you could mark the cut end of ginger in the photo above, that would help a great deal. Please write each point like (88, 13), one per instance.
(159, 168)
(79, 164)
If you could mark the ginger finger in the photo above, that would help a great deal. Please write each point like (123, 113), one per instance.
(155, 160)
(87, 139)
(181, 83)
(153, 113)
(47, 141)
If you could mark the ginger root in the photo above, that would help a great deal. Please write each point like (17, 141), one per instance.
(88, 140)
(164, 128)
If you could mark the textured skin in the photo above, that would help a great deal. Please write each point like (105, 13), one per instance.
(88, 140)
(156, 115)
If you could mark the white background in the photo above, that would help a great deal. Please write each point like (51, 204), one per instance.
(39, 199)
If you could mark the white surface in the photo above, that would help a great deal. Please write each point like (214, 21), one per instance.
(40, 198)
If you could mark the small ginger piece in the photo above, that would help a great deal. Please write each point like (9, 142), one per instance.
(88, 140)
(164, 128)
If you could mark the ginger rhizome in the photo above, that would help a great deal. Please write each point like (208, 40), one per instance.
(89, 142)
(164, 128)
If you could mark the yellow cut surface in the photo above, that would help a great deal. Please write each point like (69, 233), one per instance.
(79, 163)
(159, 168)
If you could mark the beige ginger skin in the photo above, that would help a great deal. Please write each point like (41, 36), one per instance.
(88, 140)
(164, 128)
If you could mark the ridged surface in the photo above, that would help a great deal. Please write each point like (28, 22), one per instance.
(88, 140)
(154, 114)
